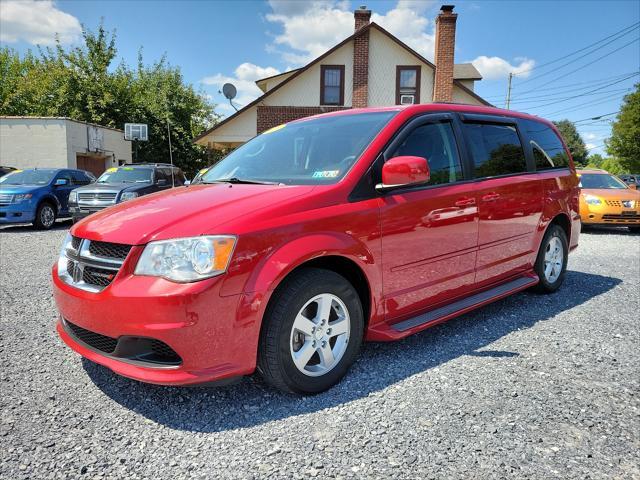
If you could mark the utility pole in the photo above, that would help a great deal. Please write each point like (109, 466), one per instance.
(508, 103)
(173, 181)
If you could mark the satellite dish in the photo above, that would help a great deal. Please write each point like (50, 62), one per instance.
(229, 91)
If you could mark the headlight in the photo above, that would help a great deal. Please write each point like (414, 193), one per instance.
(21, 197)
(591, 200)
(128, 196)
(73, 197)
(187, 259)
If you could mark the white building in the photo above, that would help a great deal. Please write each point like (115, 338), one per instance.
(58, 142)
(370, 68)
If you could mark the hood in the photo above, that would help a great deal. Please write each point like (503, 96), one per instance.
(184, 212)
(14, 189)
(612, 193)
(111, 187)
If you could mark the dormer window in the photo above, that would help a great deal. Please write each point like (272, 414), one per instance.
(407, 84)
(332, 85)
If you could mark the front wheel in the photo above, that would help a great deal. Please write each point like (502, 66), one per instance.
(551, 264)
(45, 216)
(312, 332)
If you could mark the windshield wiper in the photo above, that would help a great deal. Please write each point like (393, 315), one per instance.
(237, 180)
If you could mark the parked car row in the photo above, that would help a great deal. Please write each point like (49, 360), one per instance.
(42, 195)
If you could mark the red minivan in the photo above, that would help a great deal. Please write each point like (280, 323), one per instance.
(368, 224)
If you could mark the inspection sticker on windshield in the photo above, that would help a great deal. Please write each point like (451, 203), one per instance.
(326, 173)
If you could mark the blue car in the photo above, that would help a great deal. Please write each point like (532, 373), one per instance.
(39, 195)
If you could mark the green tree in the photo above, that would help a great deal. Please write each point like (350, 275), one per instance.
(624, 143)
(613, 165)
(595, 160)
(573, 140)
(86, 84)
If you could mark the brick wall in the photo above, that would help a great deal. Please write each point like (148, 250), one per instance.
(270, 116)
(361, 70)
(444, 53)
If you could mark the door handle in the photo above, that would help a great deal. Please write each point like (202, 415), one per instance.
(465, 202)
(490, 197)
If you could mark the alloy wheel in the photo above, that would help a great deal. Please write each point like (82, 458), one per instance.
(553, 259)
(320, 335)
(47, 216)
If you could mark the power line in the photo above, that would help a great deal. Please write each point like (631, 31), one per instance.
(583, 94)
(571, 87)
(583, 105)
(597, 117)
(618, 35)
(630, 27)
(586, 64)
(560, 98)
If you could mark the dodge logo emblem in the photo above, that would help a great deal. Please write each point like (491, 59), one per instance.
(627, 203)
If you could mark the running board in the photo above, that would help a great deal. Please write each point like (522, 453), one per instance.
(466, 303)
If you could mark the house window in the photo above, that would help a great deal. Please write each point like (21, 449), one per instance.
(407, 84)
(332, 85)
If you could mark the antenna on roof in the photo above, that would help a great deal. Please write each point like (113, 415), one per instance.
(230, 92)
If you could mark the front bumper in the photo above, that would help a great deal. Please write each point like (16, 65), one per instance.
(78, 213)
(205, 329)
(23, 212)
(607, 215)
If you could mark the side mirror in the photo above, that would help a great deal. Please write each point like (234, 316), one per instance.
(61, 181)
(162, 182)
(402, 171)
(187, 183)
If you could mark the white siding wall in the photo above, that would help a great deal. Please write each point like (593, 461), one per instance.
(460, 96)
(26, 143)
(54, 142)
(116, 148)
(384, 56)
(243, 127)
(304, 90)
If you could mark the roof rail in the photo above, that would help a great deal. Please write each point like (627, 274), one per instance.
(157, 164)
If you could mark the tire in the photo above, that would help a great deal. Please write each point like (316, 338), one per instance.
(299, 301)
(552, 277)
(45, 216)
(634, 229)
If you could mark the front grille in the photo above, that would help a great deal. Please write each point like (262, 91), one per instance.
(632, 217)
(111, 250)
(139, 349)
(94, 340)
(75, 242)
(101, 196)
(97, 276)
(5, 199)
(90, 265)
(163, 352)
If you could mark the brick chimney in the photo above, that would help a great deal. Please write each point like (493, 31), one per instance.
(443, 58)
(361, 59)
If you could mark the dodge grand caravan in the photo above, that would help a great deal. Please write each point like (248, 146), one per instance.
(315, 236)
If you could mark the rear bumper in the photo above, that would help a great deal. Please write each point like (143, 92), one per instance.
(213, 341)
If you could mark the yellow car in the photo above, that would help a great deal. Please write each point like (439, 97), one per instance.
(607, 200)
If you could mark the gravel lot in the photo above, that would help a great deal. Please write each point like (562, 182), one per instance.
(529, 387)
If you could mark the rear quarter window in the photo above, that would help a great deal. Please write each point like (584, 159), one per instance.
(496, 149)
(548, 151)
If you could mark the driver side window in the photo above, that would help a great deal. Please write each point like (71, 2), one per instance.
(436, 143)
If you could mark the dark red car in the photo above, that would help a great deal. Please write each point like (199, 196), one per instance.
(357, 225)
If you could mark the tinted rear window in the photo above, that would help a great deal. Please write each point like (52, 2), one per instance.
(496, 149)
(548, 151)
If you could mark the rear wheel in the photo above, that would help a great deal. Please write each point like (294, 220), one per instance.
(312, 332)
(551, 263)
(45, 216)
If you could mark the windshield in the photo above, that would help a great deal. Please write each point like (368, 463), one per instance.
(126, 175)
(310, 152)
(590, 180)
(28, 177)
